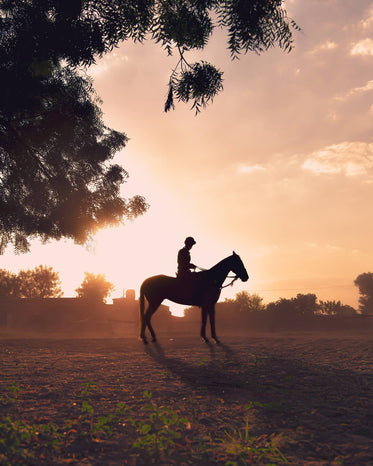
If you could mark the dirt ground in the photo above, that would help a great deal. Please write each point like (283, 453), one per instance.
(309, 397)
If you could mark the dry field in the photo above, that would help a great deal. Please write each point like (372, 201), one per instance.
(285, 399)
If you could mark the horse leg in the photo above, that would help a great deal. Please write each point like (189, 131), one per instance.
(142, 316)
(149, 313)
(211, 311)
(203, 325)
(143, 327)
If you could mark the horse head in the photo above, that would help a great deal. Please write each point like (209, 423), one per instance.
(238, 268)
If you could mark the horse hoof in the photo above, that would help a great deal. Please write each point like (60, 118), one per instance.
(205, 340)
(144, 340)
(217, 341)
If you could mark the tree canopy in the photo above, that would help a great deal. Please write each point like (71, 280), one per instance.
(301, 305)
(336, 308)
(94, 287)
(57, 179)
(8, 284)
(80, 31)
(364, 282)
(247, 302)
(40, 282)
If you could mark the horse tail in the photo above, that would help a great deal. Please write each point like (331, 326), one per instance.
(142, 306)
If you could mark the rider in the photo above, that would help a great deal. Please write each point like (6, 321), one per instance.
(183, 259)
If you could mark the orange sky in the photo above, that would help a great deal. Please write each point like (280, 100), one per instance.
(279, 168)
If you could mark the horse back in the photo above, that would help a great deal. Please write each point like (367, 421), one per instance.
(156, 287)
(157, 281)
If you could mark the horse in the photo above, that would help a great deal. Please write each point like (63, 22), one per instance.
(201, 289)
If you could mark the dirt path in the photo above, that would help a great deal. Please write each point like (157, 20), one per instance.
(309, 398)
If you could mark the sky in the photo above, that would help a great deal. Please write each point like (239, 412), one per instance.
(279, 168)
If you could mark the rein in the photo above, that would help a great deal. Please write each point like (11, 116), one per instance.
(234, 277)
(230, 283)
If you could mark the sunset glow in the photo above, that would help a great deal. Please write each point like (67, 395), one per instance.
(279, 168)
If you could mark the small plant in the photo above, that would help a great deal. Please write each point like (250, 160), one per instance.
(20, 439)
(155, 433)
(87, 389)
(103, 424)
(167, 374)
(202, 361)
(12, 396)
(270, 406)
(246, 449)
(257, 360)
(243, 448)
(13, 436)
(158, 432)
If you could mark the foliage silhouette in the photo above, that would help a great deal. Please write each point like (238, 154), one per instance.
(364, 282)
(40, 282)
(302, 305)
(336, 308)
(57, 180)
(246, 312)
(8, 284)
(78, 32)
(247, 302)
(94, 287)
(55, 151)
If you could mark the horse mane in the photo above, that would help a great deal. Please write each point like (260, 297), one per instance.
(219, 264)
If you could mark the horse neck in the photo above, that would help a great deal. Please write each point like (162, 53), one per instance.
(220, 271)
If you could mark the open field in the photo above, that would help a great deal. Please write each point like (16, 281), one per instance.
(286, 399)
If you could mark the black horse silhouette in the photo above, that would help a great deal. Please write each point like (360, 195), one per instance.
(201, 289)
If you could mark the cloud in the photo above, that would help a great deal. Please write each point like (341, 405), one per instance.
(107, 63)
(325, 46)
(250, 168)
(357, 90)
(347, 158)
(363, 47)
(368, 22)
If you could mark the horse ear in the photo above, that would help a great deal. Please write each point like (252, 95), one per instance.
(234, 253)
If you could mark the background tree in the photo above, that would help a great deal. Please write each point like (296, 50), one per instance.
(41, 282)
(364, 282)
(306, 304)
(301, 305)
(284, 308)
(94, 287)
(336, 308)
(247, 302)
(8, 284)
(57, 179)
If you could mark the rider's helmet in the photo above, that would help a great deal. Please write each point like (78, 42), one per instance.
(189, 241)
